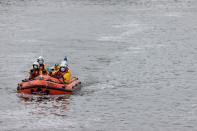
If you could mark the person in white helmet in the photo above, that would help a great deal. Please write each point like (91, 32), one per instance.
(63, 74)
(34, 72)
(56, 67)
(42, 66)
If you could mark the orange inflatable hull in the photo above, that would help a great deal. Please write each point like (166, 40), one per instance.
(47, 85)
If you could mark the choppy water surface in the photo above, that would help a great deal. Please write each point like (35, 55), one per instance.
(136, 58)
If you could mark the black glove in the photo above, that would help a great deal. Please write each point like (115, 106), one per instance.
(25, 80)
(31, 70)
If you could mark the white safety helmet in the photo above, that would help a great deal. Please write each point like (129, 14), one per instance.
(64, 64)
(40, 60)
(35, 65)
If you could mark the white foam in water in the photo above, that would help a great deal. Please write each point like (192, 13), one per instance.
(127, 31)
(173, 14)
(29, 40)
(132, 31)
(110, 38)
(129, 25)
(134, 48)
(105, 85)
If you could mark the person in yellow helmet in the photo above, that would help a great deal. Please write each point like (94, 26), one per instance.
(42, 66)
(54, 68)
(63, 74)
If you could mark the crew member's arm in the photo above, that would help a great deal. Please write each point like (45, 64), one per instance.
(54, 73)
(31, 74)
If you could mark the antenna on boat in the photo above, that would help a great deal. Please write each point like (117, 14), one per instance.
(41, 53)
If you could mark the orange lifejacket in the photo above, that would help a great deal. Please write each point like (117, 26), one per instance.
(58, 74)
(43, 70)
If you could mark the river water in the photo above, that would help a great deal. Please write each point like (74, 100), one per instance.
(137, 60)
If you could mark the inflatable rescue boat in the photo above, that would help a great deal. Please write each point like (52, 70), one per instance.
(47, 85)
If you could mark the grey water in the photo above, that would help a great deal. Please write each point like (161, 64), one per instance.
(137, 60)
